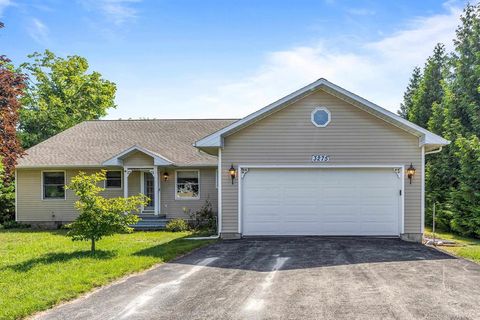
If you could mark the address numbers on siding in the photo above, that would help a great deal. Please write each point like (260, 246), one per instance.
(320, 158)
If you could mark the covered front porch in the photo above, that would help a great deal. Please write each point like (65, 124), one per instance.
(143, 180)
(141, 175)
(174, 191)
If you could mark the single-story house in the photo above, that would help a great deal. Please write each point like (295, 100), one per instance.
(320, 161)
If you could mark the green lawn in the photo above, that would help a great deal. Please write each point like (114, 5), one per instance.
(41, 268)
(467, 248)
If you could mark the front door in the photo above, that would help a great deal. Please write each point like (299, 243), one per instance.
(149, 190)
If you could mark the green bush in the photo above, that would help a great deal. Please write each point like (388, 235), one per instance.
(14, 225)
(205, 218)
(7, 198)
(177, 225)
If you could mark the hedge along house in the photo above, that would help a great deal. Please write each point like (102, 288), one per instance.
(320, 161)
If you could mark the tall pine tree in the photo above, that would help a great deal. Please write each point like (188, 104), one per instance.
(430, 89)
(462, 124)
(447, 102)
(463, 111)
(412, 87)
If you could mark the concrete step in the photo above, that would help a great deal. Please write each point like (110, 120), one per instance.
(150, 223)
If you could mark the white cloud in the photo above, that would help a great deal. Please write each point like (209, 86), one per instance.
(378, 71)
(116, 11)
(38, 31)
(3, 5)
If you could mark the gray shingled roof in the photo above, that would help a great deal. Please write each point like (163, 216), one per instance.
(90, 143)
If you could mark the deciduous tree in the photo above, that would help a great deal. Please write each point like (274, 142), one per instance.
(100, 217)
(60, 94)
(12, 85)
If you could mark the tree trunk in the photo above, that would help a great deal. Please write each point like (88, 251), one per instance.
(93, 246)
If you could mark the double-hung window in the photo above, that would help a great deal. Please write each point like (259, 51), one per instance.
(187, 184)
(53, 185)
(114, 180)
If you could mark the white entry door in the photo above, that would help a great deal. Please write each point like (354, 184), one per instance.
(329, 201)
(149, 190)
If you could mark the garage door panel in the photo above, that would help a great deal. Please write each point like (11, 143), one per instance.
(320, 202)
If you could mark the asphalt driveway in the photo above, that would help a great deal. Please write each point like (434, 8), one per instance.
(293, 278)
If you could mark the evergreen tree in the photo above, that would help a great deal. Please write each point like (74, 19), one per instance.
(462, 125)
(462, 114)
(465, 200)
(440, 168)
(408, 95)
(430, 88)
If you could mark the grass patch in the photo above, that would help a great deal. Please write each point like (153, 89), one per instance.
(39, 269)
(468, 248)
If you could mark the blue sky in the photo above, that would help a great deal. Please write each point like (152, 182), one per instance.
(204, 59)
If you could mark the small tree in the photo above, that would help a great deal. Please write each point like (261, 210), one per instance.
(99, 216)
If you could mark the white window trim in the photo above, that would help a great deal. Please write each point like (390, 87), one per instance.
(121, 181)
(42, 196)
(176, 184)
(312, 118)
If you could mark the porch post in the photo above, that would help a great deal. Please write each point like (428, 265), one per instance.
(126, 173)
(155, 188)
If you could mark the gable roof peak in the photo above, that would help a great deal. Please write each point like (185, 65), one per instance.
(215, 140)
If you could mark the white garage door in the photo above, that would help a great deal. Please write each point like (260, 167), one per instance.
(321, 202)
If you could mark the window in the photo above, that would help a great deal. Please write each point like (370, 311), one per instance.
(187, 186)
(54, 185)
(320, 117)
(114, 179)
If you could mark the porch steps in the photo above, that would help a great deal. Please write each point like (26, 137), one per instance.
(150, 222)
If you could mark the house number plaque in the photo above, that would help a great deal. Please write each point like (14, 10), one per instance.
(320, 158)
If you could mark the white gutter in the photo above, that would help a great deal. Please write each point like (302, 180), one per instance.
(434, 151)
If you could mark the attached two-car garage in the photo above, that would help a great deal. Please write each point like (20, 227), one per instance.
(321, 201)
(322, 161)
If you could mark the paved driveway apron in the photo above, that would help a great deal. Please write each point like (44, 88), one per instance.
(293, 278)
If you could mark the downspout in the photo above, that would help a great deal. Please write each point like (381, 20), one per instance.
(219, 192)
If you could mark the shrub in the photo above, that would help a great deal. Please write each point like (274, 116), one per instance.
(7, 198)
(14, 225)
(205, 218)
(177, 225)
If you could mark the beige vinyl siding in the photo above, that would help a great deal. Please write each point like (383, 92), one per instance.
(134, 183)
(173, 208)
(139, 159)
(31, 206)
(352, 137)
